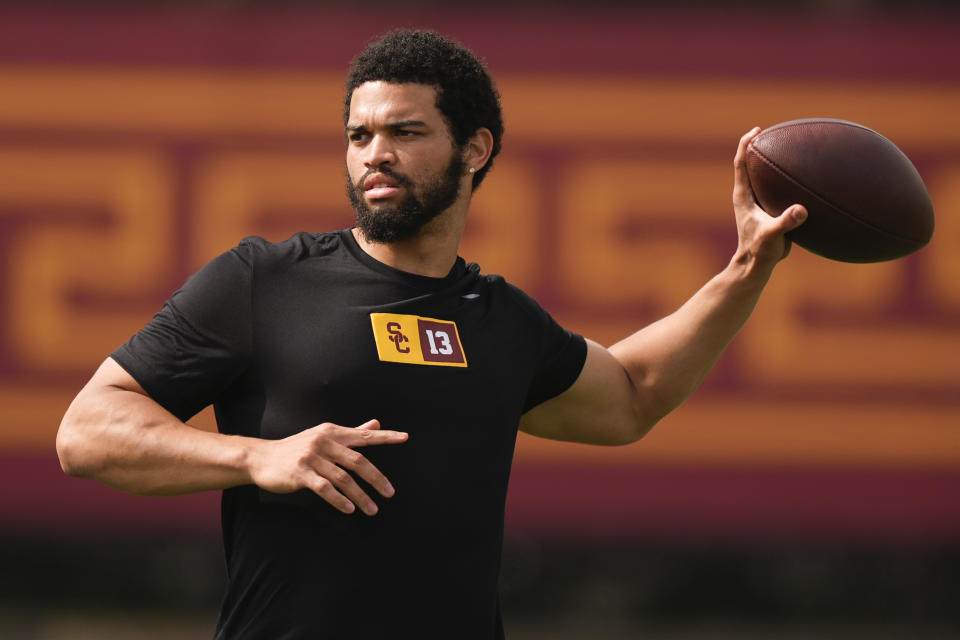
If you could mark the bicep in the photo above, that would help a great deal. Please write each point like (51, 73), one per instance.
(600, 407)
(101, 419)
(103, 396)
(110, 375)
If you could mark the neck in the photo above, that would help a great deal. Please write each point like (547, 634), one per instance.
(432, 252)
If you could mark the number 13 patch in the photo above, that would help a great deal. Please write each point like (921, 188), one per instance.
(416, 340)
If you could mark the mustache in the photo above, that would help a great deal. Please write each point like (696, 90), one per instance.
(400, 178)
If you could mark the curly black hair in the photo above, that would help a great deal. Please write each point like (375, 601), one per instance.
(466, 95)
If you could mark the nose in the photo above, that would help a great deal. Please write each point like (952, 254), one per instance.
(380, 152)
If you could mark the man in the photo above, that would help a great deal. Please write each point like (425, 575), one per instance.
(373, 370)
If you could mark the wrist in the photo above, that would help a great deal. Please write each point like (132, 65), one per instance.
(243, 458)
(748, 268)
(745, 276)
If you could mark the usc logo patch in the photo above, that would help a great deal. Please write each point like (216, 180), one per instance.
(417, 340)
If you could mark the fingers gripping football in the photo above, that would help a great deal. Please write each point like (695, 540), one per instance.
(761, 236)
(320, 459)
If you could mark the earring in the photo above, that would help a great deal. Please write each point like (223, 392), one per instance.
(473, 170)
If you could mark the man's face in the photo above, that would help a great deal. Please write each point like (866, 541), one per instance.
(403, 168)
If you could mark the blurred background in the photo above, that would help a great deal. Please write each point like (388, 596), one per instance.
(810, 488)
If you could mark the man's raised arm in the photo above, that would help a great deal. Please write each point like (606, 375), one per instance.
(627, 388)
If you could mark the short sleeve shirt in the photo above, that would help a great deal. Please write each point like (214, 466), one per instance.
(281, 337)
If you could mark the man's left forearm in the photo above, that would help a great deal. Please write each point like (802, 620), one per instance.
(668, 359)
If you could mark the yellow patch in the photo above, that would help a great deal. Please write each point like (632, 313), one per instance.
(417, 340)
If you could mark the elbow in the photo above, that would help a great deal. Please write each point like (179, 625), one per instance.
(639, 427)
(643, 427)
(647, 411)
(628, 429)
(656, 398)
(72, 451)
(67, 453)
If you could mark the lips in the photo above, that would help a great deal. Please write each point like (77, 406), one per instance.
(379, 186)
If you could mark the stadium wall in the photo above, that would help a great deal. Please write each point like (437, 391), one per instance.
(135, 145)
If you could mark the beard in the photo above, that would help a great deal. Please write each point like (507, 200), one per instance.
(410, 215)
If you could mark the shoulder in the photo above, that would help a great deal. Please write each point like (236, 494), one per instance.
(257, 251)
(255, 257)
(513, 296)
(259, 254)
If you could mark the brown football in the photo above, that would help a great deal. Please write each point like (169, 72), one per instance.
(866, 200)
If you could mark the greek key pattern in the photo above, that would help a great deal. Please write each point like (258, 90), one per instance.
(112, 193)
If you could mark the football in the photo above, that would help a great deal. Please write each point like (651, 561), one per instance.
(865, 199)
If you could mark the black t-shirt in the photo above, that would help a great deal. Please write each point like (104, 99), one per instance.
(280, 337)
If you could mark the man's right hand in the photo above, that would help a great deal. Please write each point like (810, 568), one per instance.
(319, 459)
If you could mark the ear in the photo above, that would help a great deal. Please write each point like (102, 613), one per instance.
(477, 151)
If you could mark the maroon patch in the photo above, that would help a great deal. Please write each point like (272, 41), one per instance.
(439, 342)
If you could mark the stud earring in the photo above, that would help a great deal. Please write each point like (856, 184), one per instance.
(473, 170)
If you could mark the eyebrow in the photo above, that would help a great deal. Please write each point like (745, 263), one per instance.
(402, 124)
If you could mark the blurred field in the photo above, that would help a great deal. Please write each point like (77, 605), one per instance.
(171, 627)
(169, 588)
